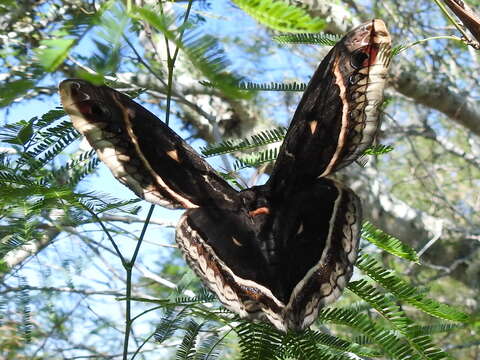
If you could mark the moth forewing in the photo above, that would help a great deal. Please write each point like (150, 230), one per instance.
(141, 151)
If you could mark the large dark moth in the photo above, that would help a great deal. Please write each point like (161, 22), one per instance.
(279, 251)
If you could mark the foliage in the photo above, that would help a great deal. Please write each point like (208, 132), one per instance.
(281, 16)
(45, 304)
(313, 39)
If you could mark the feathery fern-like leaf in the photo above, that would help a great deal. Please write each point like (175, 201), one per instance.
(397, 317)
(256, 159)
(387, 308)
(388, 242)
(417, 330)
(100, 203)
(75, 169)
(202, 298)
(186, 350)
(169, 323)
(24, 308)
(391, 343)
(313, 39)
(261, 139)
(379, 149)
(209, 348)
(258, 341)
(407, 293)
(398, 49)
(272, 86)
(311, 345)
(232, 178)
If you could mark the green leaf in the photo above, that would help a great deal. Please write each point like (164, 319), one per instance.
(406, 292)
(251, 86)
(3, 266)
(273, 86)
(388, 243)
(261, 139)
(53, 52)
(391, 343)
(259, 341)
(256, 159)
(160, 22)
(186, 350)
(18, 134)
(203, 52)
(382, 304)
(379, 149)
(281, 16)
(13, 90)
(312, 39)
(168, 324)
(305, 345)
(25, 134)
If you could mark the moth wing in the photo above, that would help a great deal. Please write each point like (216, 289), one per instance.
(337, 117)
(280, 262)
(141, 151)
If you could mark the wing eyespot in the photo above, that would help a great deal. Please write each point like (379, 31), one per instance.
(75, 89)
(358, 58)
(100, 112)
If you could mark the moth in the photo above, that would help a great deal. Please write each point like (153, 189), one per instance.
(277, 252)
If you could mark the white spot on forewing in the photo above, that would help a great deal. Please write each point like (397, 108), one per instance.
(236, 242)
(173, 154)
(123, 157)
(300, 229)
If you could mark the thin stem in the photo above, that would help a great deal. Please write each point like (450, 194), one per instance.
(143, 62)
(217, 342)
(142, 235)
(105, 230)
(169, 90)
(448, 37)
(128, 322)
(171, 62)
(451, 19)
(147, 311)
(187, 13)
(142, 344)
(129, 267)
